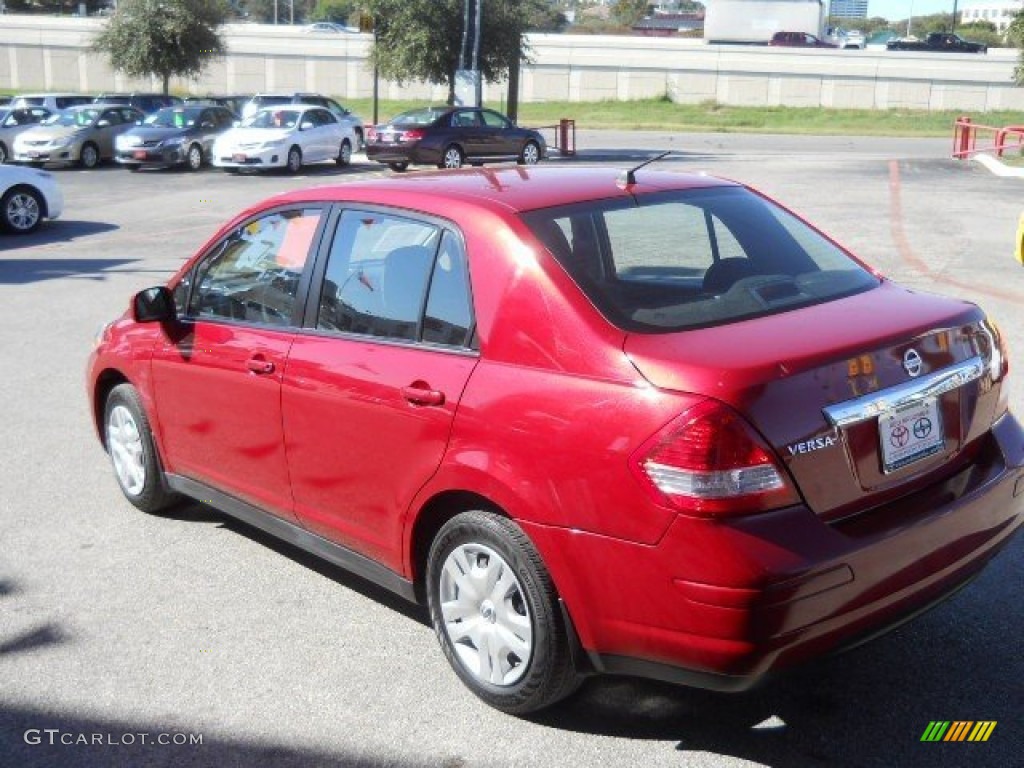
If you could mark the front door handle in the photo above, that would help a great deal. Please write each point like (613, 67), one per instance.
(259, 365)
(419, 393)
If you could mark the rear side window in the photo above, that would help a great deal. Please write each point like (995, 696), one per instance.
(397, 278)
(695, 258)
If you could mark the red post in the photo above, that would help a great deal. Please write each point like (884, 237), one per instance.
(567, 136)
(964, 128)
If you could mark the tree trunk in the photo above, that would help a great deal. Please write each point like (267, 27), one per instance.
(513, 84)
(167, 83)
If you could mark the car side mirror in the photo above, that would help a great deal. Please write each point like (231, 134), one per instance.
(153, 305)
(305, 126)
(103, 124)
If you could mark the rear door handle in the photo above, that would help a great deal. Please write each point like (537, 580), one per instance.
(419, 394)
(259, 365)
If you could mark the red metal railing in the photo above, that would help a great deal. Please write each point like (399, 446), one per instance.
(965, 138)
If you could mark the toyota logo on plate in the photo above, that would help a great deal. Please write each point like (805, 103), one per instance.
(912, 362)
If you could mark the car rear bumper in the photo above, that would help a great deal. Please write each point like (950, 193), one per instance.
(723, 604)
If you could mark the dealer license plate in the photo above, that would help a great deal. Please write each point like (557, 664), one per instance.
(140, 155)
(239, 158)
(910, 434)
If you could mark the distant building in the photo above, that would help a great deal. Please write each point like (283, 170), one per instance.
(848, 9)
(995, 12)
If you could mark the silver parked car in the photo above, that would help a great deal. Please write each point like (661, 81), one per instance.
(83, 135)
(17, 120)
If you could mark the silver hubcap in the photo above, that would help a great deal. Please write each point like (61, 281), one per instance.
(485, 615)
(195, 158)
(22, 211)
(124, 442)
(346, 153)
(452, 159)
(530, 154)
(89, 157)
(294, 161)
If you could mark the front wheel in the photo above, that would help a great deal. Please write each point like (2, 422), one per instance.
(90, 156)
(530, 154)
(21, 210)
(294, 162)
(451, 158)
(344, 153)
(496, 614)
(129, 441)
(194, 157)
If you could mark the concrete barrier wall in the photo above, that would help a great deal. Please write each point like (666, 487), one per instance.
(53, 54)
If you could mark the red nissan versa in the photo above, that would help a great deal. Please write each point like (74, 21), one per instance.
(652, 424)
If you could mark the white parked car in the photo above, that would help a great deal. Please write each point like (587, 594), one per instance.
(27, 196)
(287, 136)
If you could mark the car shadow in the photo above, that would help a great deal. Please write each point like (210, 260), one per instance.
(51, 232)
(37, 738)
(194, 511)
(23, 271)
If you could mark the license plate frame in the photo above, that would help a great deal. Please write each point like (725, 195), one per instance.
(139, 154)
(238, 157)
(909, 434)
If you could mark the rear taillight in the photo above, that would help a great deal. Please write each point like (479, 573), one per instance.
(993, 351)
(710, 461)
(371, 133)
(413, 135)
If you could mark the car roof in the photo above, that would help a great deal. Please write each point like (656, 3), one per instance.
(501, 189)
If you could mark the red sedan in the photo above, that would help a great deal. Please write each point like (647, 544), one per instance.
(653, 424)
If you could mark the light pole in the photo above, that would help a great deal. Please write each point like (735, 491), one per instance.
(910, 18)
(952, 27)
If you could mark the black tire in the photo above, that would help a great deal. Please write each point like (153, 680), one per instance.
(21, 210)
(452, 157)
(89, 156)
(530, 154)
(194, 157)
(122, 408)
(398, 167)
(4, 154)
(485, 540)
(344, 153)
(360, 140)
(294, 162)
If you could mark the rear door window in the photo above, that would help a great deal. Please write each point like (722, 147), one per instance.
(394, 277)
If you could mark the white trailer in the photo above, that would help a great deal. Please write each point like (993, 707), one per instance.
(755, 21)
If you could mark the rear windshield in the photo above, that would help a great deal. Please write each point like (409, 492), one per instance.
(695, 258)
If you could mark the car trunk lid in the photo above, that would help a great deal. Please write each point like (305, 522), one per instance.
(862, 398)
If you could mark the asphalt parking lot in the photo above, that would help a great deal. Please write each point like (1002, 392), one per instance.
(189, 624)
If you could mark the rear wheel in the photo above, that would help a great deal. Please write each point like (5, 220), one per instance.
(344, 153)
(496, 614)
(530, 154)
(398, 167)
(452, 157)
(21, 210)
(90, 156)
(194, 157)
(129, 442)
(294, 162)
(4, 156)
